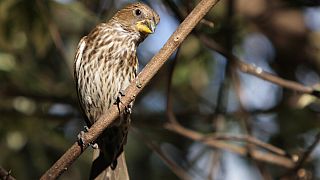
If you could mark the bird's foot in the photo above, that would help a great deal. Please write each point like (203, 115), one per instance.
(81, 135)
(128, 109)
(118, 99)
(86, 129)
(94, 145)
(122, 93)
(81, 138)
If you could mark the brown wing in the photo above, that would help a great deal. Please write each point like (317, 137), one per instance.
(77, 61)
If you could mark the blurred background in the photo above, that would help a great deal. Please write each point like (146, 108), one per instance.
(39, 112)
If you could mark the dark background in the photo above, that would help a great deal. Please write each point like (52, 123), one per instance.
(39, 113)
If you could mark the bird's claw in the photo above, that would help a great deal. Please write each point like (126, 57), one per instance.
(128, 109)
(80, 138)
(122, 93)
(94, 145)
(118, 98)
(81, 135)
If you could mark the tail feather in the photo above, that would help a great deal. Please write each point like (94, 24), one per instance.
(102, 171)
(108, 160)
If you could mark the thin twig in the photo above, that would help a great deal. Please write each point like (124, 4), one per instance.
(179, 171)
(255, 154)
(307, 153)
(259, 72)
(249, 139)
(294, 171)
(169, 110)
(244, 67)
(133, 89)
(181, 14)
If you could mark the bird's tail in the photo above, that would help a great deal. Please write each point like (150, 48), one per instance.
(101, 171)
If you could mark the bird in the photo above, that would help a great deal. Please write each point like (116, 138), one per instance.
(105, 64)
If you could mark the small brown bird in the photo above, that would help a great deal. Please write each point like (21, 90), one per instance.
(105, 64)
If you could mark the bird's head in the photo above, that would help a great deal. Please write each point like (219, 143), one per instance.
(138, 17)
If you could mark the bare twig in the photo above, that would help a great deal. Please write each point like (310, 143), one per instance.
(251, 140)
(169, 110)
(6, 175)
(294, 171)
(133, 90)
(307, 153)
(179, 171)
(255, 154)
(259, 72)
(244, 67)
(181, 14)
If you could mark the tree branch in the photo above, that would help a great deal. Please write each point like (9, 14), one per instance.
(254, 153)
(244, 67)
(259, 72)
(307, 154)
(134, 88)
(179, 171)
(248, 139)
(169, 110)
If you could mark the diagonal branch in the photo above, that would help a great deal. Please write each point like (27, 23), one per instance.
(257, 71)
(133, 90)
(179, 171)
(307, 153)
(244, 67)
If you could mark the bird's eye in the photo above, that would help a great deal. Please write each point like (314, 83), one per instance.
(137, 12)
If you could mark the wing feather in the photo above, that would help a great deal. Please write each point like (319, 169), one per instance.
(77, 65)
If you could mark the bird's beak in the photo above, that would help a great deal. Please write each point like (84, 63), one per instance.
(146, 26)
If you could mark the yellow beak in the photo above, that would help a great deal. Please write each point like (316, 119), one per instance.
(146, 26)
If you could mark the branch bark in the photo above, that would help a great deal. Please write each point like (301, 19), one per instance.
(133, 90)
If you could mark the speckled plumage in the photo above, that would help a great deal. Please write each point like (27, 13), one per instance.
(106, 63)
(109, 64)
